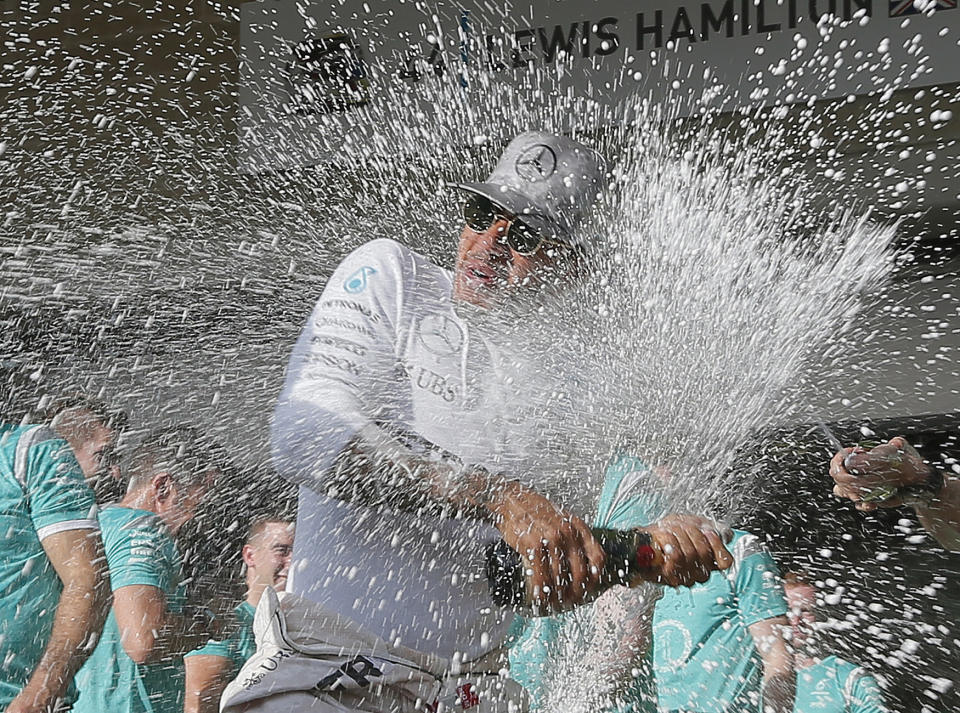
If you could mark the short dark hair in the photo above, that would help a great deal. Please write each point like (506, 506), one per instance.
(185, 453)
(113, 418)
(259, 523)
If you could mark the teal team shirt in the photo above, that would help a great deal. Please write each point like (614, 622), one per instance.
(42, 492)
(704, 657)
(538, 642)
(837, 686)
(140, 551)
(238, 647)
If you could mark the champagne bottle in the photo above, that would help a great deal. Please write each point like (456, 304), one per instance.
(920, 493)
(875, 495)
(629, 553)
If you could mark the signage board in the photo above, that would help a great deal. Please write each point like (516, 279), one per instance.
(309, 66)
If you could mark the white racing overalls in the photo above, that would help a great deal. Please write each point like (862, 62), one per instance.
(310, 659)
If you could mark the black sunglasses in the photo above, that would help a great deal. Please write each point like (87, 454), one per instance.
(481, 212)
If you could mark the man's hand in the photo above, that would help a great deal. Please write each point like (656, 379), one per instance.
(860, 474)
(557, 547)
(691, 547)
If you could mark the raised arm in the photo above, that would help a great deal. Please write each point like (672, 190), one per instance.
(327, 436)
(77, 557)
(763, 607)
(941, 515)
(896, 465)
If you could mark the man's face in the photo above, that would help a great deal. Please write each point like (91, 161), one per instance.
(179, 505)
(92, 450)
(802, 600)
(267, 555)
(487, 269)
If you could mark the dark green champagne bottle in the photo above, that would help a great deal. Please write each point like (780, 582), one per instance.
(629, 553)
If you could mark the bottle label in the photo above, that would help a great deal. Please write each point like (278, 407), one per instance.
(646, 556)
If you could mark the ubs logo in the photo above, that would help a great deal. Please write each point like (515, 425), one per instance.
(436, 384)
(441, 335)
(536, 163)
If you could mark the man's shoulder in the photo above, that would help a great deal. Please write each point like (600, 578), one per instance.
(126, 523)
(386, 271)
(387, 252)
(35, 451)
(18, 441)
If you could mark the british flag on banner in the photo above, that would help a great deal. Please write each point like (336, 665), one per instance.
(899, 8)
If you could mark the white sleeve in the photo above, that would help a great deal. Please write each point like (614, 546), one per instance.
(344, 364)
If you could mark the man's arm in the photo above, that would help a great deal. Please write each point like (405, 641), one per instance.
(150, 633)
(941, 515)
(779, 677)
(78, 559)
(206, 678)
(402, 471)
(894, 465)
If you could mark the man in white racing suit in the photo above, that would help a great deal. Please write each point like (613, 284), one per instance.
(393, 421)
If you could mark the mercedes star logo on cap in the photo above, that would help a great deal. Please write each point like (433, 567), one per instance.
(537, 163)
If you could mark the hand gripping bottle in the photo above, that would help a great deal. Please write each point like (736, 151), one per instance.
(630, 553)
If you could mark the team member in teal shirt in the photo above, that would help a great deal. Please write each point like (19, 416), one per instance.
(266, 556)
(715, 645)
(623, 664)
(53, 594)
(138, 665)
(828, 685)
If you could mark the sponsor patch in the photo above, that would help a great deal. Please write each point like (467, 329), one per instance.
(357, 282)
(468, 696)
(358, 671)
(337, 343)
(440, 334)
(352, 306)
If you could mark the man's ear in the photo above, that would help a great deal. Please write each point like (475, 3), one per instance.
(247, 554)
(163, 486)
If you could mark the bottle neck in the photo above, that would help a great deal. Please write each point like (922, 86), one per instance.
(629, 552)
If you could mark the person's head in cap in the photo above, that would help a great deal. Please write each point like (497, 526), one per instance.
(522, 222)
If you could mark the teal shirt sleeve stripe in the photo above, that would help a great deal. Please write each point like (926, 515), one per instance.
(222, 649)
(57, 490)
(759, 589)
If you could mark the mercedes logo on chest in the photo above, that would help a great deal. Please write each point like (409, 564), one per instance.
(439, 334)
